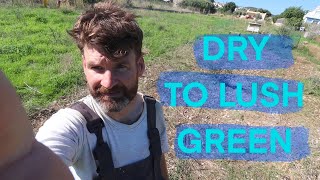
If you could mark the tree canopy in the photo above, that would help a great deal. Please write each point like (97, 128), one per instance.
(260, 10)
(293, 12)
(229, 7)
(265, 11)
(294, 16)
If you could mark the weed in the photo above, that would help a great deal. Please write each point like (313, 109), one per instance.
(42, 20)
(182, 171)
(304, 51)
(161, 28)
(312, 86)
(68, 11)
(18, 14)
(150, 7)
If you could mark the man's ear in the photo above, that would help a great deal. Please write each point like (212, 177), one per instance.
(141, 66)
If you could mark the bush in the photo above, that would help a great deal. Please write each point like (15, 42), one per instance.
(289, 31)
(295, 22)
(229, 7)
(268, 13)
(240, 12)
(150, 7)
(312, 86)
(294, 16)
(313, 31)
(284, 30)
(202, 5)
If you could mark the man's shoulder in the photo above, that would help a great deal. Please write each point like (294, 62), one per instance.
(158, 103)
(159, 111)
(67, 117)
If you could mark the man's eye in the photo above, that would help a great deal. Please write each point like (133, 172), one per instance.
(122, 68)
(97, 68)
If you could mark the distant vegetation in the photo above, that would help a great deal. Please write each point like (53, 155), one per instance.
(203, 6)
(294, 16)
(229, 7)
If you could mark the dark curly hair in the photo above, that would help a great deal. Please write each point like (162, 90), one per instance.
(110, 29)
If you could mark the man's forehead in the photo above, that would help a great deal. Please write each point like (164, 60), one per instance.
(92, 54)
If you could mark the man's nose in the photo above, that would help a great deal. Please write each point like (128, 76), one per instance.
(108, 80)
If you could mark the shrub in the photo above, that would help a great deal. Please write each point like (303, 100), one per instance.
(312, 86)
(289, 31)
(294, 16)
(42, 20)
(202, 5)
(229, 7)
(284, 30)
(240, 12)
(150, 7)
(313, 31)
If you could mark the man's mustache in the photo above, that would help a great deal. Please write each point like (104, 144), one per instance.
(103, 90)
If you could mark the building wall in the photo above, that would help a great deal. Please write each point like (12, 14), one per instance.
(312, 20)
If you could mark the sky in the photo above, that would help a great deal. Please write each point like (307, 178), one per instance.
(276, 6)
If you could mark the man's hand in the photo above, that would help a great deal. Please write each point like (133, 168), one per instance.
(21, 156)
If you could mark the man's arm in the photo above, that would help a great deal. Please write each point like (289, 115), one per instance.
(21, 156)
(39, 163)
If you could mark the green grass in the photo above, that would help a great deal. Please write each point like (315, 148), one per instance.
(43, 62)
(37, 55)
(165, 31)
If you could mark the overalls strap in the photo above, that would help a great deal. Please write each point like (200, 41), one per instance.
(101, 152)
(154, 137)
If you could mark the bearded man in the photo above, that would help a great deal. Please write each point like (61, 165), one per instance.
(115, 132)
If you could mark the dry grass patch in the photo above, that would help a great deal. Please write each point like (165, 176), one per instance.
(182, 59)
(315, 50)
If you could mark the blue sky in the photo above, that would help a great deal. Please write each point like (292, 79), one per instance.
(276, 6)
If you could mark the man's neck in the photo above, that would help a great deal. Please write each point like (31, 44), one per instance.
(131, 113)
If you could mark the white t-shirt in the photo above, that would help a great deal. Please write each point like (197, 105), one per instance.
(65, 133)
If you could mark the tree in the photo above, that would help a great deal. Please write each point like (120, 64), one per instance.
(294, 16)
(204, 6)
(265, 11)
(229, 7)
(291, 12)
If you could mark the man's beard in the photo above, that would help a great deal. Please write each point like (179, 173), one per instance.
(114, 104)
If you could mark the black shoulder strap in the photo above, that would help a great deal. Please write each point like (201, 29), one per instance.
(101, 152)
(154, 137)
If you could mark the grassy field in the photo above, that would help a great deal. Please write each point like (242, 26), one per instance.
(37, 55)
(44, 64)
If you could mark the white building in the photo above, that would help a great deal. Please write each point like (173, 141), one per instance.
(218, 5)
(254, 27)
(312, 17)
